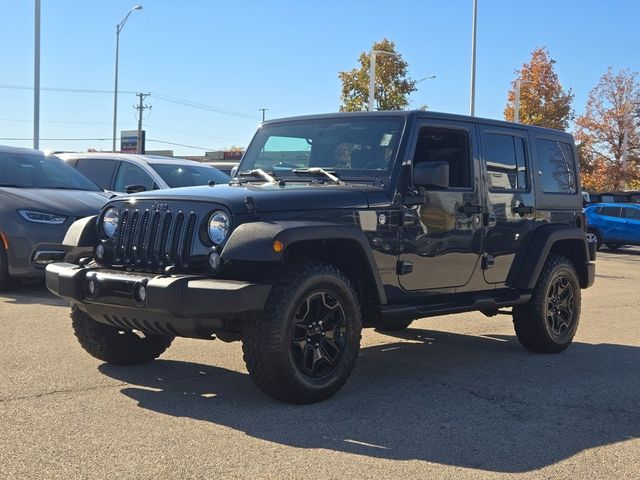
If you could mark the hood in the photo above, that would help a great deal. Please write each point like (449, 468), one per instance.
(74, 203)
(270, 197)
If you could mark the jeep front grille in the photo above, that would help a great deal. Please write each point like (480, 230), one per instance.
(154, 239)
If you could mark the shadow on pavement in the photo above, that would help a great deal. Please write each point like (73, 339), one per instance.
(467, 401)
(31, 293)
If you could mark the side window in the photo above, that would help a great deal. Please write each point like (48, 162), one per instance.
(632, 213)
(505, 160)
(129, 174)
(610, 211)
(556, 170)
(97, 170)
(446, 145)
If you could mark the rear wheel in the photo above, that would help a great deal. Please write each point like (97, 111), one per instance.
(594, 236)
(304, 347)
(5, 279)
(548, 322)
(113, 345)
(613, 246)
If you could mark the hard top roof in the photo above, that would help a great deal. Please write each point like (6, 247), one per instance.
(421, 114)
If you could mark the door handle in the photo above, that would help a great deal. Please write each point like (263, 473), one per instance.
(522, 210)
(469, 209)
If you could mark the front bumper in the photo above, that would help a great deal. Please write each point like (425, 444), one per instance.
(177, 305)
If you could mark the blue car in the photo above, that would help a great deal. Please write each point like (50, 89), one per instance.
(614, 224)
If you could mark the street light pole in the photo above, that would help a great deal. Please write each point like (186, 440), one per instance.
(372, 76)
(36, 79)
(472, 100)
(119, 28)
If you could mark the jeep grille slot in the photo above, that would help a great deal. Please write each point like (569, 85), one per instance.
(149, 239)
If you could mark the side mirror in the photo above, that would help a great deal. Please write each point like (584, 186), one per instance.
(431, 174)
(136, 188)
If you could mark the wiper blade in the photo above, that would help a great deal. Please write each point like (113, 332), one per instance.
(258, 172)
(318, 170)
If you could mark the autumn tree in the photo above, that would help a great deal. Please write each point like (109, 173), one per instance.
(392, 85)
(608, 133)
(543, 101)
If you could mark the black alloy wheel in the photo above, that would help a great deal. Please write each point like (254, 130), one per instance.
(304, 346)
(319, 334)
(560, 305)
(548, 322)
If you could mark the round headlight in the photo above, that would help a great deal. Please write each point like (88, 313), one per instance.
(218, 226)
(110, 222)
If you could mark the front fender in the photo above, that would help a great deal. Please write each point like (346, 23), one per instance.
(254, 241)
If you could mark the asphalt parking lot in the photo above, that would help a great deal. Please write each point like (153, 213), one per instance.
(452, 397)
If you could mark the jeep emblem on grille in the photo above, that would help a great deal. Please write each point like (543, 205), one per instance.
(160, 207)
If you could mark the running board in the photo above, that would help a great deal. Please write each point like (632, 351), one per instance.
(489, 306)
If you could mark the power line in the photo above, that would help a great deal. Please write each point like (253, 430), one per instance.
(159, 96)
(20, 139)
(180, 145)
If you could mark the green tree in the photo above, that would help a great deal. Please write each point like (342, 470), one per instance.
(543, 101)
(392, 86)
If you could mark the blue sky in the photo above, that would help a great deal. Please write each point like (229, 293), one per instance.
(240, 56)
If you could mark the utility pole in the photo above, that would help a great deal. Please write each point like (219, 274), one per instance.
(472, 100)
(263, 110)
(36, 79)
(141, 107)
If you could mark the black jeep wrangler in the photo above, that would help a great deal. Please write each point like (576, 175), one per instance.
(333, 223)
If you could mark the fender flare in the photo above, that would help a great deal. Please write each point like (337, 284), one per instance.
(253, 242)
(529, 261)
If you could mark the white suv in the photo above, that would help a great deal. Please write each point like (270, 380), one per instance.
(130, 173)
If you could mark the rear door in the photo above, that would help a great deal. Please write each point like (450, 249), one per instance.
(510, 209)
(631, 224)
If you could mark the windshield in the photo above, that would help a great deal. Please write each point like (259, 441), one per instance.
(36, 171)
(351, 147)
(189, 175)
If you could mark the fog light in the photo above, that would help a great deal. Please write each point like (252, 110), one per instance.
(141, 293)
(214, 260)
(91, 287)
(100, 251)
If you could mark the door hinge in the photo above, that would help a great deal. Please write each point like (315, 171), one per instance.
(488, 261)
(403, 267)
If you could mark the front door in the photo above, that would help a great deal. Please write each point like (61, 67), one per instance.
(441, 235)
(510, 198)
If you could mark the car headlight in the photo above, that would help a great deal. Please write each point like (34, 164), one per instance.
(42, 217)
(110, 222)
(218, 226)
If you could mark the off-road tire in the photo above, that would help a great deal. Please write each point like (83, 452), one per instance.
(5, 279)
(533, 327)
(393, 325)
(613, 246)
(268, 341)
(106, 343)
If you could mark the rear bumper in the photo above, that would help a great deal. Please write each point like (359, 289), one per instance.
(180, 305)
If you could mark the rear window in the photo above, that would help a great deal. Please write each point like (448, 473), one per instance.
(609, 211)
(556, 167)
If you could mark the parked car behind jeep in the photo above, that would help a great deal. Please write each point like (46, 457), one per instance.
(614, 224)
(40, 197)
(131, 173)
(334, 223)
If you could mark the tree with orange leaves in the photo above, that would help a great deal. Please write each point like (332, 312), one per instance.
(608, 133)
(543, 101)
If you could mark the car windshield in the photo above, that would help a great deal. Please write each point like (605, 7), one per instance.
(351, 147)
(189, 175)
(23, 170)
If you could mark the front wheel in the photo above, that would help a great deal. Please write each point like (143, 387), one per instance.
(113, 345)
(304, 347)
(548, 322)
(594, 237)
